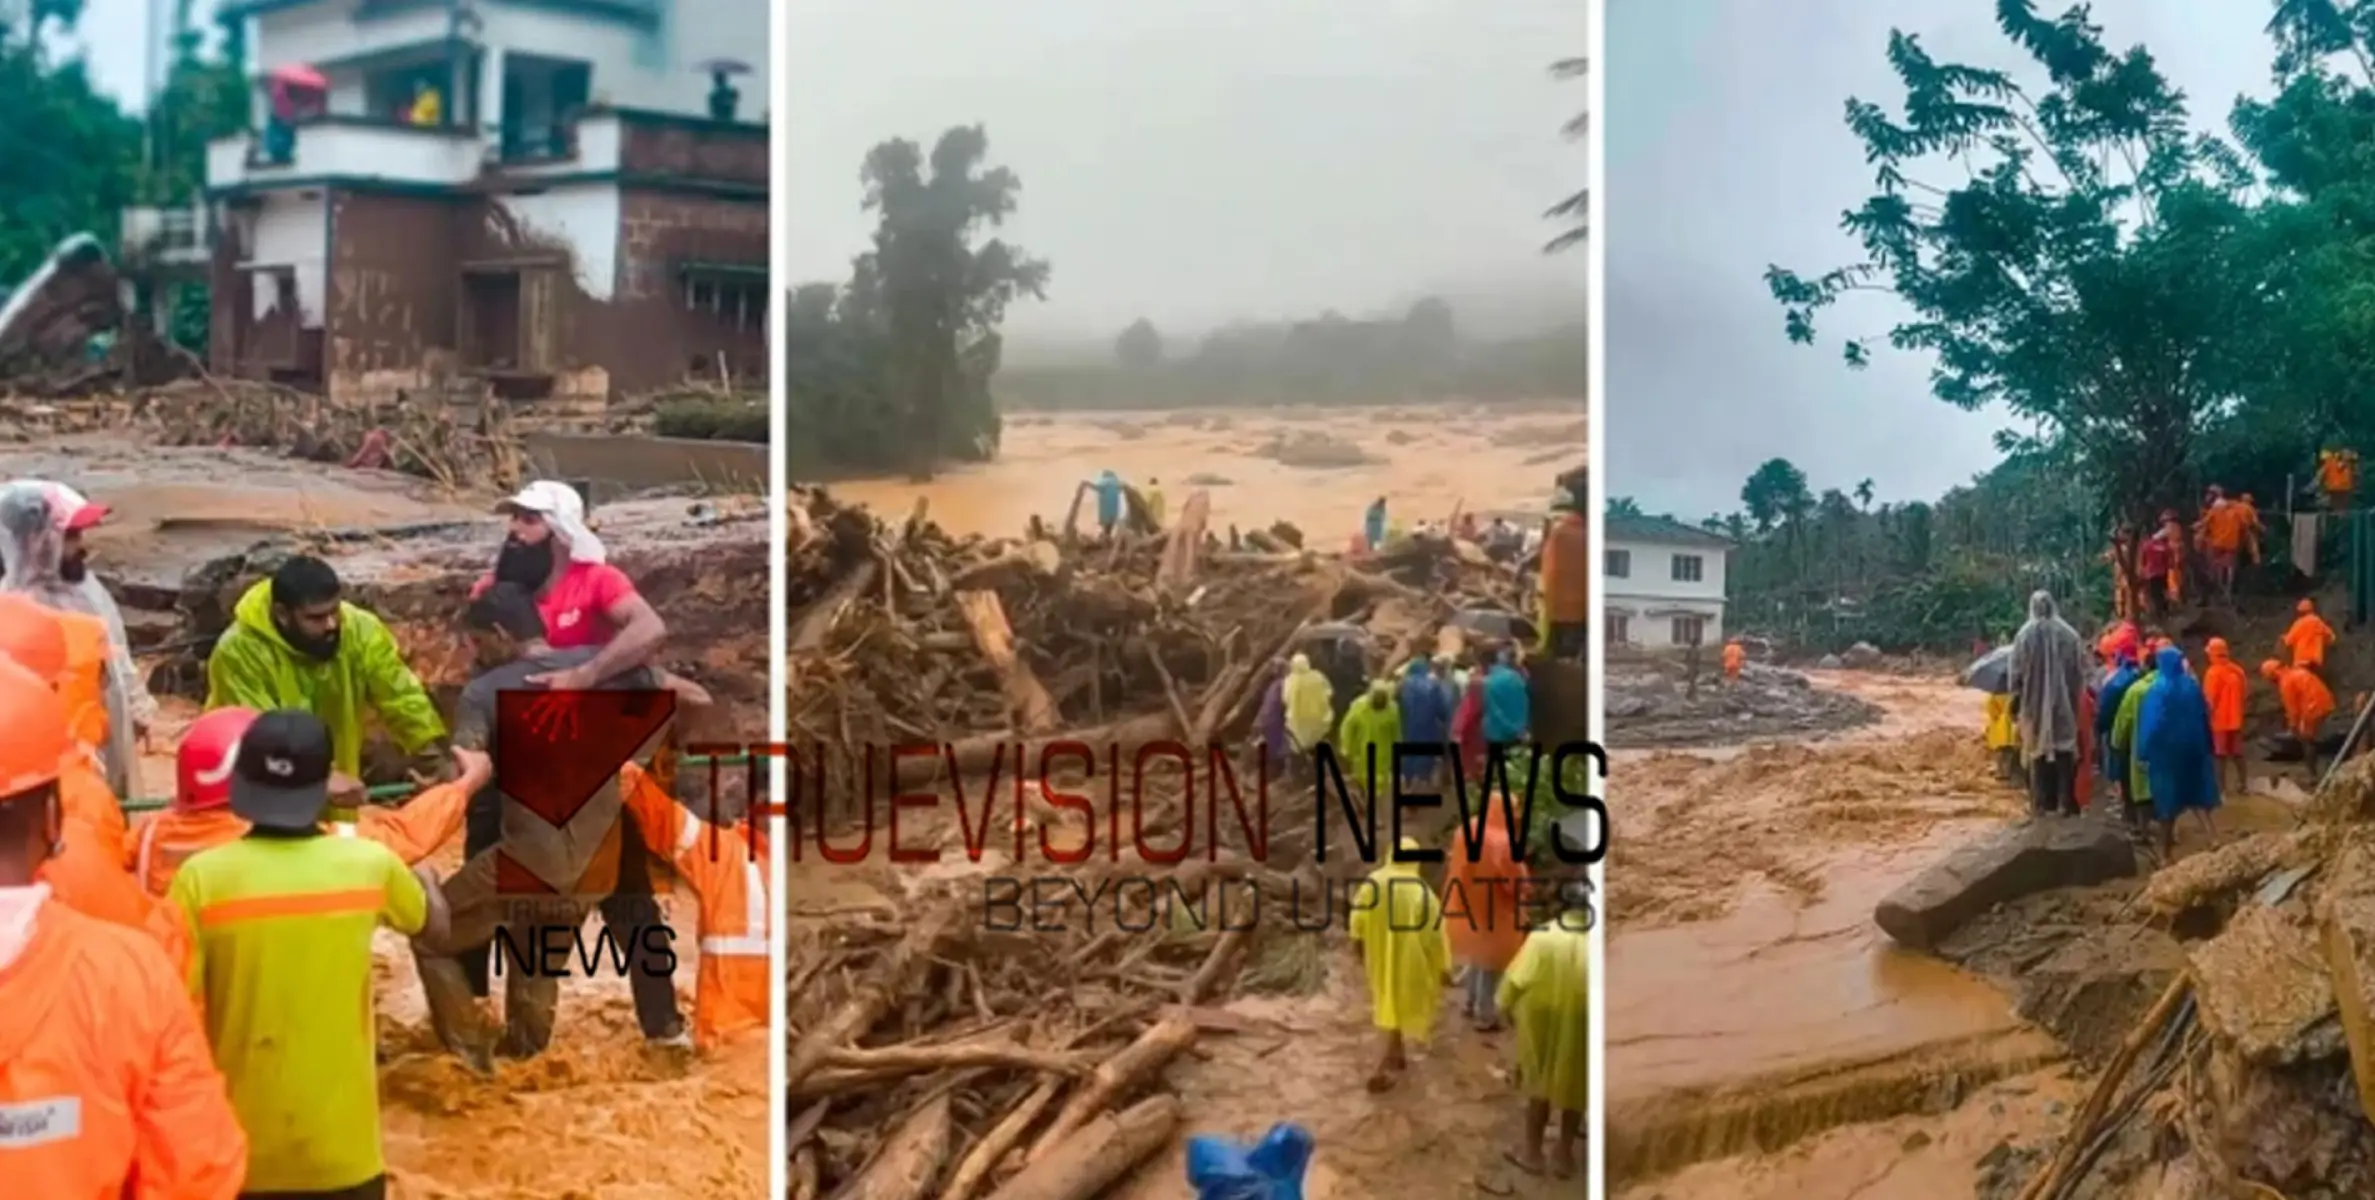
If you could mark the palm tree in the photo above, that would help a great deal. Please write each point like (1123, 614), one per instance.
(1863, 494)
(1574, 211)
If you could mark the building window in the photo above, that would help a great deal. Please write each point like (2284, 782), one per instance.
(739, 304)
(1617, 564)
(1689, 568)
(1689, 630)
(1620, 628)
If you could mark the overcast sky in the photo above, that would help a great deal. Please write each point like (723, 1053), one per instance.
(113, 36)
(1192, 161)
(1726, 152)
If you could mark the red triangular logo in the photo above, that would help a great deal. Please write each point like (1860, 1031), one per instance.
(554, 749)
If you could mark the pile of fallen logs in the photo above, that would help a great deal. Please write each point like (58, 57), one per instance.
(932, 1058)
(902, 632)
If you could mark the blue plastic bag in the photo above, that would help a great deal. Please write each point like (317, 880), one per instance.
(1221, 1168)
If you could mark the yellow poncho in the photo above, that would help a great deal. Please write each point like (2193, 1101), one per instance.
(1374, 722)
(1310, 704)
(2001, 734)
(1399, 925)
(1545, 995)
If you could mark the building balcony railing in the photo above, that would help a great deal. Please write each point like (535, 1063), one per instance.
(345, 148)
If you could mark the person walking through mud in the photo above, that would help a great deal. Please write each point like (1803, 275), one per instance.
(1397, 924)
(2124, 674)
(2174, 744)
(509, 642)
(2048, 672)
(1547, 995)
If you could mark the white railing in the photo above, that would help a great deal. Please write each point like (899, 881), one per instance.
(349, 150)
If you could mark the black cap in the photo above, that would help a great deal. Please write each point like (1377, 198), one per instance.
(282, 777)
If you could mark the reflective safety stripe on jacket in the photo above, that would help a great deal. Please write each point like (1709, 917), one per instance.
(726, 868)
(105, 1076)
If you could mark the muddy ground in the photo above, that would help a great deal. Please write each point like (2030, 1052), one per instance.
(1650, 703)
(1768, 1041)
(193, 525)
(1107, 646)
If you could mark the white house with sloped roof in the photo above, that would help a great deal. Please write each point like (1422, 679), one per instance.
(1663, 582)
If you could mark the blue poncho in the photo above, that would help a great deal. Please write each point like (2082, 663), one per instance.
(1373, 524)
(1426, 717)
(2173, 739)
(1109, 499)
(2115, 761)
(1508, 705)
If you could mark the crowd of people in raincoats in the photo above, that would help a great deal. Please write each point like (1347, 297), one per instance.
(1512, 958)
(2133, 714)
(190, 996)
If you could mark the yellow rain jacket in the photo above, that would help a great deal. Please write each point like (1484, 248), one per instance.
(1368, 724)
(1310, 704)
(1544, 994)
(1404, 947)
(2001, 733)
(254, 667)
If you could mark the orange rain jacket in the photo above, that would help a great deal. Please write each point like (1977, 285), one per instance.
(2308, 639)
(2307, 700)
(1735, 658)
(162, 841)
(1483, 900)
(2224, 686)
(1565, 584)
(101, 1033)
(726, 867)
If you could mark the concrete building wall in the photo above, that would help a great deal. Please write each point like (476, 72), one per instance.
(393, 291)
(1644, 598)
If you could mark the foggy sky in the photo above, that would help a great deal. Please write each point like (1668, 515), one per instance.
(1192, 161)
(113, 35)
(1726, 152)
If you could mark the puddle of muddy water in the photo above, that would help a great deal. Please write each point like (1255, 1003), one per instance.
(1488, 458)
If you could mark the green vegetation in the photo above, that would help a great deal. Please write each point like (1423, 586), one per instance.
(892, 369)
(1330, 360)
(1574, 212)
(712, 418)
(2159, 308)
(75, 158)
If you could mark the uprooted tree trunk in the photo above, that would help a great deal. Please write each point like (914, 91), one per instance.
(1098, 1155)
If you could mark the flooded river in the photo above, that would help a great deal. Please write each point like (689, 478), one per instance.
(1426, 461)
(1758, 1003)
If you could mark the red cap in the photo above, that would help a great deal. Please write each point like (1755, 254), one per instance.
(86, 516)
(202, 766)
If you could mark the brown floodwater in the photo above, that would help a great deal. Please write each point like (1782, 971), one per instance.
(1425, 461)
(1755, 1001)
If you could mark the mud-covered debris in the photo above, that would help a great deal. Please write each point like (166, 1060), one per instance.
(2348, 796)
(2216, 876)
(1649, 702)
(1863, 656)
(2262, 987)
(2346, 934)
(2002, 866)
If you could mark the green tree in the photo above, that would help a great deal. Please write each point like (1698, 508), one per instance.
(1863, 494)
(1140, 347)
(942, 296)
(71, 155)
(1573, 213)
(2083, 274)
(1775, 492)
(1623, 506)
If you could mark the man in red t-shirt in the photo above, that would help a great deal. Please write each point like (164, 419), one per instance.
(583, 599)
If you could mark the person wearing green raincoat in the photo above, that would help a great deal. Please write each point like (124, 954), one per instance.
(1544, 993)
(1310, 704)
(1405, 954)
(1373, 723)
(2123, 740)
(294, 643)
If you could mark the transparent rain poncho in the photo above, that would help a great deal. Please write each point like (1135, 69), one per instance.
(32, 545)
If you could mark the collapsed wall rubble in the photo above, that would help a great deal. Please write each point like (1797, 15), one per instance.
(2255, 1071)
(929, 1058)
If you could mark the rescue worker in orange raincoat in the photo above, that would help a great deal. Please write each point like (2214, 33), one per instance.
(200, 817)
(1484, 896)
(2122, 557)
(2337, 477)
(725, 864)
(2172, 536)
(2221, 530)
(2307, 704)
(2253, 527)
(1735, 659)
(2309, 638)
(85, 871)
(2223, 688)
(105, 1073)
